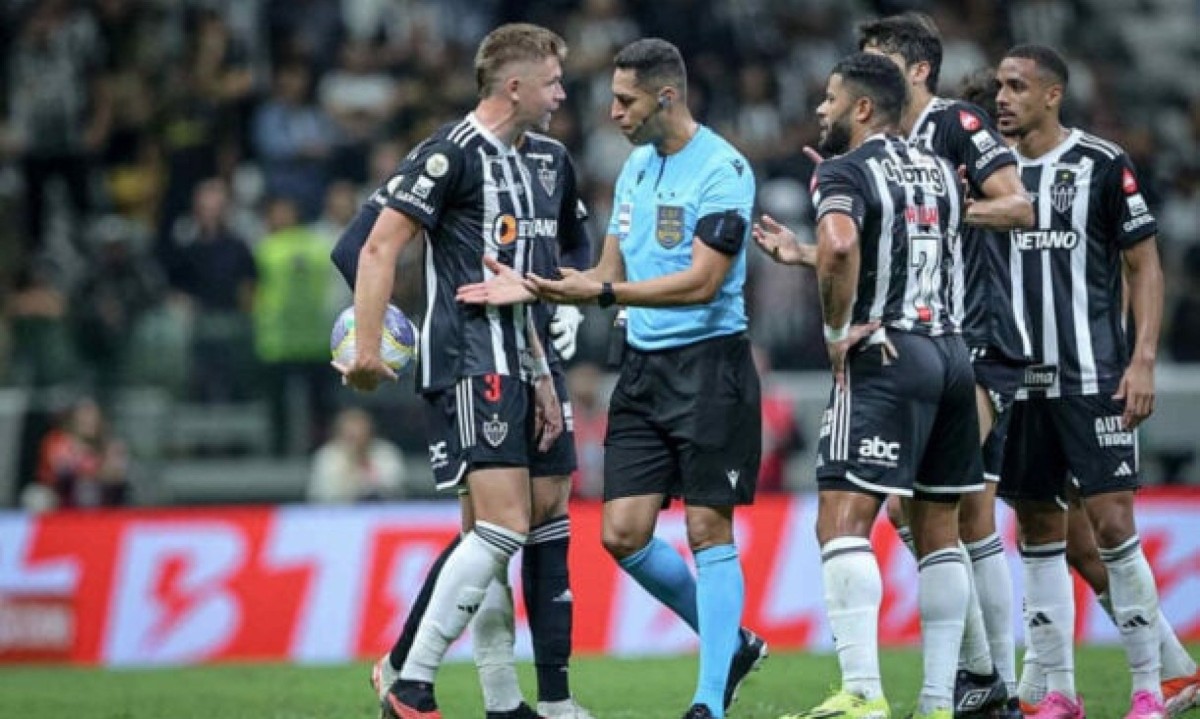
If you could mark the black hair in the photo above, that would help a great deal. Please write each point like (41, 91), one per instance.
(655, 62)
(980, 88)
(1045, 57)
(911, 35)
(878, 78)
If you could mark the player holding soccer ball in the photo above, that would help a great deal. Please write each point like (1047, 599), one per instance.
(485, 187)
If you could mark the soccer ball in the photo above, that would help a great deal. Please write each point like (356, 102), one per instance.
(398, 345)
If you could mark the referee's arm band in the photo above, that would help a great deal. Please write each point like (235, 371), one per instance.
(723, 231)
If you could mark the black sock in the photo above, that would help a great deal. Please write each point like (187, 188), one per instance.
(545, 581)
(416, 612)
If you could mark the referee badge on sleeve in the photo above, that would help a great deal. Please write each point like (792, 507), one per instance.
(668, 229)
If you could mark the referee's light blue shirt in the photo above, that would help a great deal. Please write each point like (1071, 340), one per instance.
(657, 203)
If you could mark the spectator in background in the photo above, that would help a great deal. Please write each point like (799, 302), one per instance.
(203, 101)
(43, 354)
(114, 293)
(361, 100)
(82, 463)
(355, 465)
(781, 438)
(291, 326)
(214, 274)
(58, 107)
(294, 139)
(589, 412)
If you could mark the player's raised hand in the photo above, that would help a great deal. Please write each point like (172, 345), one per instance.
(505, 287)
(575, 288)
(781, 244)
(365, 373)
(1137, 389)
(547, 417)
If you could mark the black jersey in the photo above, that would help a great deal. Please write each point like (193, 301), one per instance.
(1066, 272)
(907, 204)
(548, 160)
(963, 134)
(477, 197)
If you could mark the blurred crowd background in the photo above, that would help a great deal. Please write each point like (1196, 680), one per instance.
(173, 174)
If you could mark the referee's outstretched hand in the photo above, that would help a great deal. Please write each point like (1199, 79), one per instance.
(574, 288)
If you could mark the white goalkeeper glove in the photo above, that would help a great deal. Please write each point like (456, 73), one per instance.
(564, 329)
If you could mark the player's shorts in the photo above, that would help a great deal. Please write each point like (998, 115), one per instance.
(1000, 378)
(1050, 440)
(904, 425)
(686, 422)
(485, 421)
(559, 460)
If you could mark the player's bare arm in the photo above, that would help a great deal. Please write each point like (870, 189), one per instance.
(781, 244)
(696, 285)
(1144, 273)
(838, 256)
(376, 269)
(1005, 204)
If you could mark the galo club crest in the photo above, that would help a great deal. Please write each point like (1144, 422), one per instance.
(1062, 192)
(494, 431)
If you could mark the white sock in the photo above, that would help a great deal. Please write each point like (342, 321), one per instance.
(480, 558)
(906, 537)
(1032, 686)
(942, 595)
(975, 655)
(493, 633)
(993, 586)
(1050, 614)
(853, 593)
(1135, 609)
(1176, 662)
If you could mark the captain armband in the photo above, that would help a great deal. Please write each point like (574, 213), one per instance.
(723, 231)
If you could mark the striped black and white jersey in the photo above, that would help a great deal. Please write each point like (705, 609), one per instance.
(964, 134)
(907, 205)
(1066, 271)
(477, 197)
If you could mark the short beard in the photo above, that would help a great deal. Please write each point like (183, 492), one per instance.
(837, 139)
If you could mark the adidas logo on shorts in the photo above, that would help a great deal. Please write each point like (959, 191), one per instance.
(1123, 470)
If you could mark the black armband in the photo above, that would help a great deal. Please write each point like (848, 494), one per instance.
(724, 232)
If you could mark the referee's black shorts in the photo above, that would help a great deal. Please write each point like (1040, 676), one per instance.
(686, 422)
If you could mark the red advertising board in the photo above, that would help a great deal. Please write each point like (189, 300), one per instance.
(313, 584)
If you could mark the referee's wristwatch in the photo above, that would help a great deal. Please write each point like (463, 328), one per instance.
(607, 297)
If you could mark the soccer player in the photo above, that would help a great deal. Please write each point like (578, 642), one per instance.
(470, 191)
(684, 418)
(1078, 407)
(544, 571)
(902, 416)
(965, 135)
(1181, 680)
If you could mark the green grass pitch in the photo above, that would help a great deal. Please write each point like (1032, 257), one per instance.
(611, 688)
